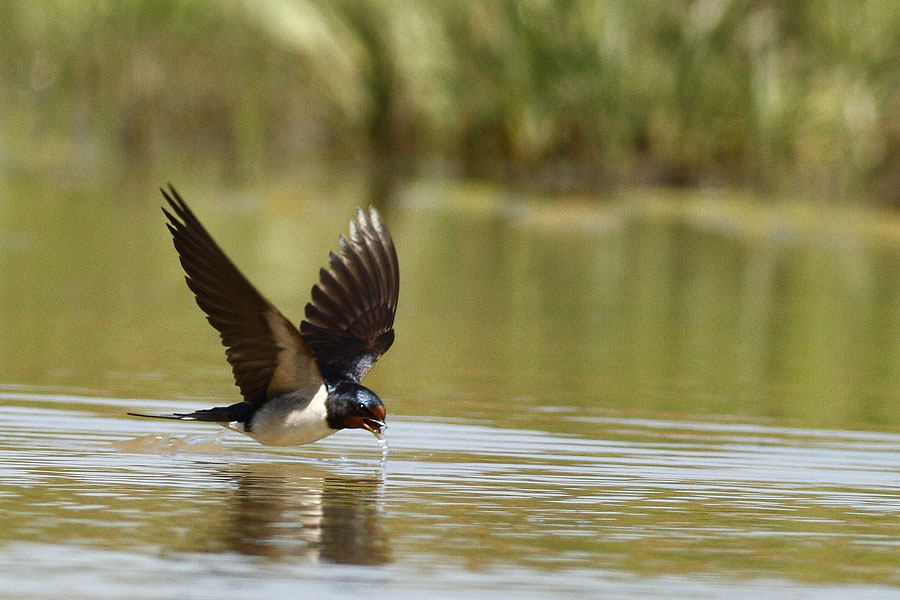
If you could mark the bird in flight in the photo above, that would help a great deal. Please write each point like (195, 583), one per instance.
(298, 386)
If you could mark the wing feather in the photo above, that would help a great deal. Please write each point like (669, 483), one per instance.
(349, 322)
(266, 353)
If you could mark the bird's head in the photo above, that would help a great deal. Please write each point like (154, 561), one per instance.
(352, 406)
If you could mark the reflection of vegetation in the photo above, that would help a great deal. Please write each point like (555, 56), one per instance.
(662, 308)
(575, 93)
(681, 307)
(693, 310)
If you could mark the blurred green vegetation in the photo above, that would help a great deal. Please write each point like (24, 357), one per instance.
(798, 97)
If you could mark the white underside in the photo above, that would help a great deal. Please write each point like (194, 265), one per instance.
(290, 420)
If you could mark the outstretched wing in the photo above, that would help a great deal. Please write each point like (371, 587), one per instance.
(266, 352)
(350, 320)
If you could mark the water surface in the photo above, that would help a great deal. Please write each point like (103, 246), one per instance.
(615, 400)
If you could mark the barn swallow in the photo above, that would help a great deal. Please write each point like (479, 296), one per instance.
(298, 386)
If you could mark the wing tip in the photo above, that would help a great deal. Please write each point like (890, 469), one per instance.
(375, 218)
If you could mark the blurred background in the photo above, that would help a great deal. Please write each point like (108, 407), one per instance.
(681, 205)
(649, 322)
(798, 98)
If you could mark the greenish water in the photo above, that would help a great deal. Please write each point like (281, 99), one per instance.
(612, 399)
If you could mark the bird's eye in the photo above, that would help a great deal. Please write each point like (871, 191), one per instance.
(362, 407)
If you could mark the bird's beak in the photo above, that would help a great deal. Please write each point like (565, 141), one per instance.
(373, 425)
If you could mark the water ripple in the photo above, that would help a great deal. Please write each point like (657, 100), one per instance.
(653, 498)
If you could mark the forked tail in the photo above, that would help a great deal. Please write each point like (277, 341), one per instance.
(242, 411)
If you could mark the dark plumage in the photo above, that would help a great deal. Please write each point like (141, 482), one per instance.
(350, 321)
(298, 386)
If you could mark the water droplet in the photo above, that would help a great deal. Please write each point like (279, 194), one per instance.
(382, 441)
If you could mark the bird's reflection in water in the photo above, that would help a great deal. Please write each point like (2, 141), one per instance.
(283, 510)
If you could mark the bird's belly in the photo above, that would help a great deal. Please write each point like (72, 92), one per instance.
(291, 420)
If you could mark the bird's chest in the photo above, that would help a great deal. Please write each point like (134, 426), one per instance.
(291, 420)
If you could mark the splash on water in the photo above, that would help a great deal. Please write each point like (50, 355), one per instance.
(168, 444)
